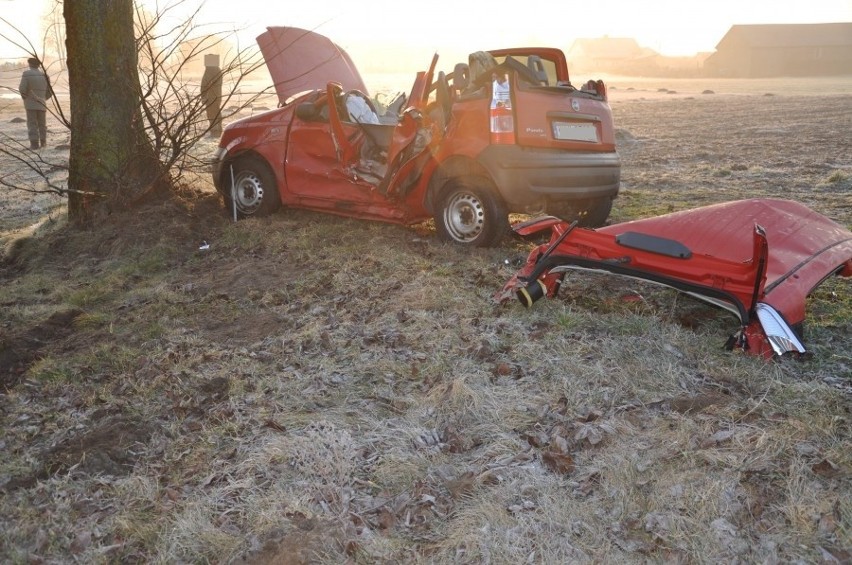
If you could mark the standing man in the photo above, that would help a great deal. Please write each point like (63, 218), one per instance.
(211, 93)
(35, 90)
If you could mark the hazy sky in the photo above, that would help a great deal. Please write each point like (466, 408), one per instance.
(382, 28)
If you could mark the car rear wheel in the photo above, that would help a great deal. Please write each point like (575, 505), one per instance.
(591, 214)
(470, 213)
(596, 214)
(255, 191)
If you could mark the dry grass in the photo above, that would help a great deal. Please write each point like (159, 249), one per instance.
(316, 389)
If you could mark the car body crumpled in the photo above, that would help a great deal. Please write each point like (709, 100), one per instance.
(443, 150)
(758, 258)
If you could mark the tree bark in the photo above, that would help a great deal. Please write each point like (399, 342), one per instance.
(112, 162)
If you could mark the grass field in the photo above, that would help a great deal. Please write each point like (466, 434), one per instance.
(317, 389)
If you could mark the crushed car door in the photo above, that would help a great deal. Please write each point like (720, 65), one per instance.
(322, 149)
(323, 152)
(311, 153)
(414, 133)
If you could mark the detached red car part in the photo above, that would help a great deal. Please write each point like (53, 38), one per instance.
(758, 258)
(448, 150)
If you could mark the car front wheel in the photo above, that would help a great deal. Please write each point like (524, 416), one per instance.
(254, 190)
(470, 213)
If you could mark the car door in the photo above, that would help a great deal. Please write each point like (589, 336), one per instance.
(407, 150)
(323, 152)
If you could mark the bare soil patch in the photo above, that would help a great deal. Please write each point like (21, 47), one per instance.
(19, 350)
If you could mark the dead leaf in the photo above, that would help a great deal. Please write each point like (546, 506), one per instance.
(827, 524)
(454, 440)
(272, 424)
(719, 437)
(387, 519)
(560, 463)
(826, 469)
(352, 547)
(81, 542)
(490, 478)
(559, 444)
(698, 403)
(587, 483)
(462, 485)
(535, 439)
(835, 555)
(588, 415)
(302, 521)
(591, 434)
(192, 425)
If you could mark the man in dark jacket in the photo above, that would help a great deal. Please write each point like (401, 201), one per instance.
(35, 90)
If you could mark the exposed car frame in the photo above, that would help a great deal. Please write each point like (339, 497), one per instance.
(758, 258)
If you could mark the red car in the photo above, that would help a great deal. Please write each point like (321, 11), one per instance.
(503, 132)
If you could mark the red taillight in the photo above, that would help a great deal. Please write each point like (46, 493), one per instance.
(502, 125)
(601, 87)
(596, 86)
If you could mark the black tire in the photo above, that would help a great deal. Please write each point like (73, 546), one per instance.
(596, 214)
(256, 189)
(590, 214)
(470, 213)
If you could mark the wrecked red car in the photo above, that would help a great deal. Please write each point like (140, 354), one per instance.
(758, 258)
(503, 132)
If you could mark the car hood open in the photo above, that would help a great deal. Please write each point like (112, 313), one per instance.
(299, 60)
(759, 258)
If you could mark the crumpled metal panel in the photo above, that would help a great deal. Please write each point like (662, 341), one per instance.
(741, 254)
(299, 60)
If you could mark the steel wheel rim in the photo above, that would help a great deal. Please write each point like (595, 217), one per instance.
(464, 217)
(249, 192)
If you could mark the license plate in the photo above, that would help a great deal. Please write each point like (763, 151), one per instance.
(575, 131)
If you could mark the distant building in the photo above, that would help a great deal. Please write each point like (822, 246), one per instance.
(609, 55)
(750, 51)
(624, 56)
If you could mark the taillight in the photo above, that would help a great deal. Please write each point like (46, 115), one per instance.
(502, 125)
(596, 86)
(601, 88)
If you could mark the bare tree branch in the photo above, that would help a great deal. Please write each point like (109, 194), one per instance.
(172, 105)
(27, 166)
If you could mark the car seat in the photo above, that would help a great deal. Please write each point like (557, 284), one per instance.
(537, 67)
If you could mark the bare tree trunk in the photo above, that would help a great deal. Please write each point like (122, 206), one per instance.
(112, 162)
